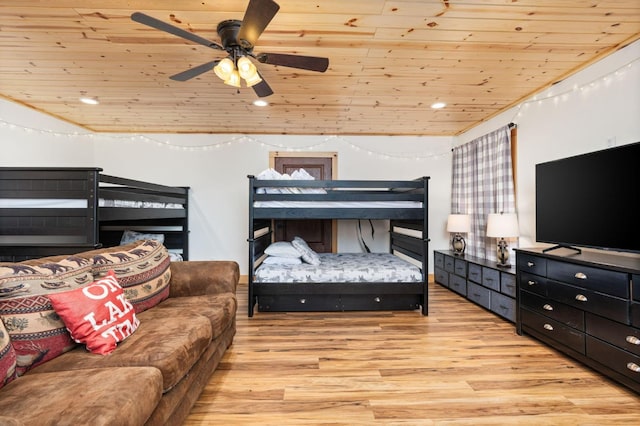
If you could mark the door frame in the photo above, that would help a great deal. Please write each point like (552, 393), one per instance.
(334, 176)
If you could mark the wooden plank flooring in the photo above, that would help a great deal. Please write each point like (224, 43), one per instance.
(461, 365)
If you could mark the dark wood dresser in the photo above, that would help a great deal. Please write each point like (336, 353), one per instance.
(479, 280)
(585, 305)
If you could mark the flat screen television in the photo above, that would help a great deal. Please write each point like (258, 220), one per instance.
(591, 200)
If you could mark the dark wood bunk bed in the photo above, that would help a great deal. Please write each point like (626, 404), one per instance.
(65, 210)
(408, 230)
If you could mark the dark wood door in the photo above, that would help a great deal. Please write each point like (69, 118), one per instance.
(317, 233)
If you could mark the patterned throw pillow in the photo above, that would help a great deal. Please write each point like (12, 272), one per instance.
(37, 332)
(142, 271)
(7, 357)
(308, 255)
(97, 315)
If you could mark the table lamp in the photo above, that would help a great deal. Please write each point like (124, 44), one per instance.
(502, 225)
(456, 224)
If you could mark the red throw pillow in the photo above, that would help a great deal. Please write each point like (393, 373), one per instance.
(97, 315)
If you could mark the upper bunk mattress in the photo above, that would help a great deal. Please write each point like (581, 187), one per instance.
(343, 267)
(339, 204)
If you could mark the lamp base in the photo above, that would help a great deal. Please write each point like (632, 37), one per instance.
(458, 243)
(503, 254)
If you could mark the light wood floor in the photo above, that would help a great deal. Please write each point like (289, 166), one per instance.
(460, 365)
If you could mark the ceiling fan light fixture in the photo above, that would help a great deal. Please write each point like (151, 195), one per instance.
(252, 80)
(234, 79)
(248, 71)
(224, 69)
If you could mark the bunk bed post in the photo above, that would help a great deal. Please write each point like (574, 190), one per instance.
(185, 225)
(425, 246)
(93, 226)
(252, 248)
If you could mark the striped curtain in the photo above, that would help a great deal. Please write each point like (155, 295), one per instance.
(482, 183)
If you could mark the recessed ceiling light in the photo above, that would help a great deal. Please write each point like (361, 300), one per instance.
(438, 105)
(89, 101)
(260, 102)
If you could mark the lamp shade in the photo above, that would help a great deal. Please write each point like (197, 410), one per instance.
(459, 223)
(502, 225)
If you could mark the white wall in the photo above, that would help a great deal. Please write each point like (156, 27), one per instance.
(572, 117)
(216, 169)
(596, 108)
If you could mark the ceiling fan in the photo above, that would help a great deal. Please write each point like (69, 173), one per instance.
(238, 39)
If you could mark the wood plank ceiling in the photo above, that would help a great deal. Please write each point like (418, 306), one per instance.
(388, 62)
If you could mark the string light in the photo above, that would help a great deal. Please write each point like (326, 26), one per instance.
(581, 89)
(537, 99)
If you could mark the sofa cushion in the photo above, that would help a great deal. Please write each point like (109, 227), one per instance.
(220, 309)
(37, 332)
(69, 398)
(142, 270)
(97, 315)
(170, 340)
(7, 358)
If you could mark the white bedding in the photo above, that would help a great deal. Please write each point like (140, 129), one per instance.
(339, 204)
(343, 267)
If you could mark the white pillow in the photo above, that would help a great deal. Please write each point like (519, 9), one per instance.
(282, 249)
(275, 260)
(308, 255)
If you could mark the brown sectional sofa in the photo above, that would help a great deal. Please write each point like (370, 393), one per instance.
(154, 376)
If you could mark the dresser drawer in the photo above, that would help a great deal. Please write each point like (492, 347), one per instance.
(438, 260)
(441, 276)
(607, 306)
(565, 314)
(620, 335)
(491, 278)
(475, 273)
(478, 294)
(533, 283)
(614, 358)
(508, 284)
(460, 267)
(552, 329)
(458, 284)
(503, 306)
(636, 287)
(600, 280)
(635, 314)
(533, 264)
(448, 264)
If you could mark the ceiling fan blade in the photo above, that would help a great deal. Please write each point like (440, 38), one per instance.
(168, 28)
(262, 89)
(256, 18)
(311, 63)
(194, 72)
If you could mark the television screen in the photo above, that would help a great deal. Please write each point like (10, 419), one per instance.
(591, 200)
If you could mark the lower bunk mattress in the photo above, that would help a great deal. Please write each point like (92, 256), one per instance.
(343, 268)
(342, 282)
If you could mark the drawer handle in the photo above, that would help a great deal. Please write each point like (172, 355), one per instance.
(580, 276)
(548, 327)
(530, 264)
(531, 282)
(376, 299)
(633, 340)
(303, 301)
(488, 279)
(581, 298)
(633, 367)
(547, 307)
